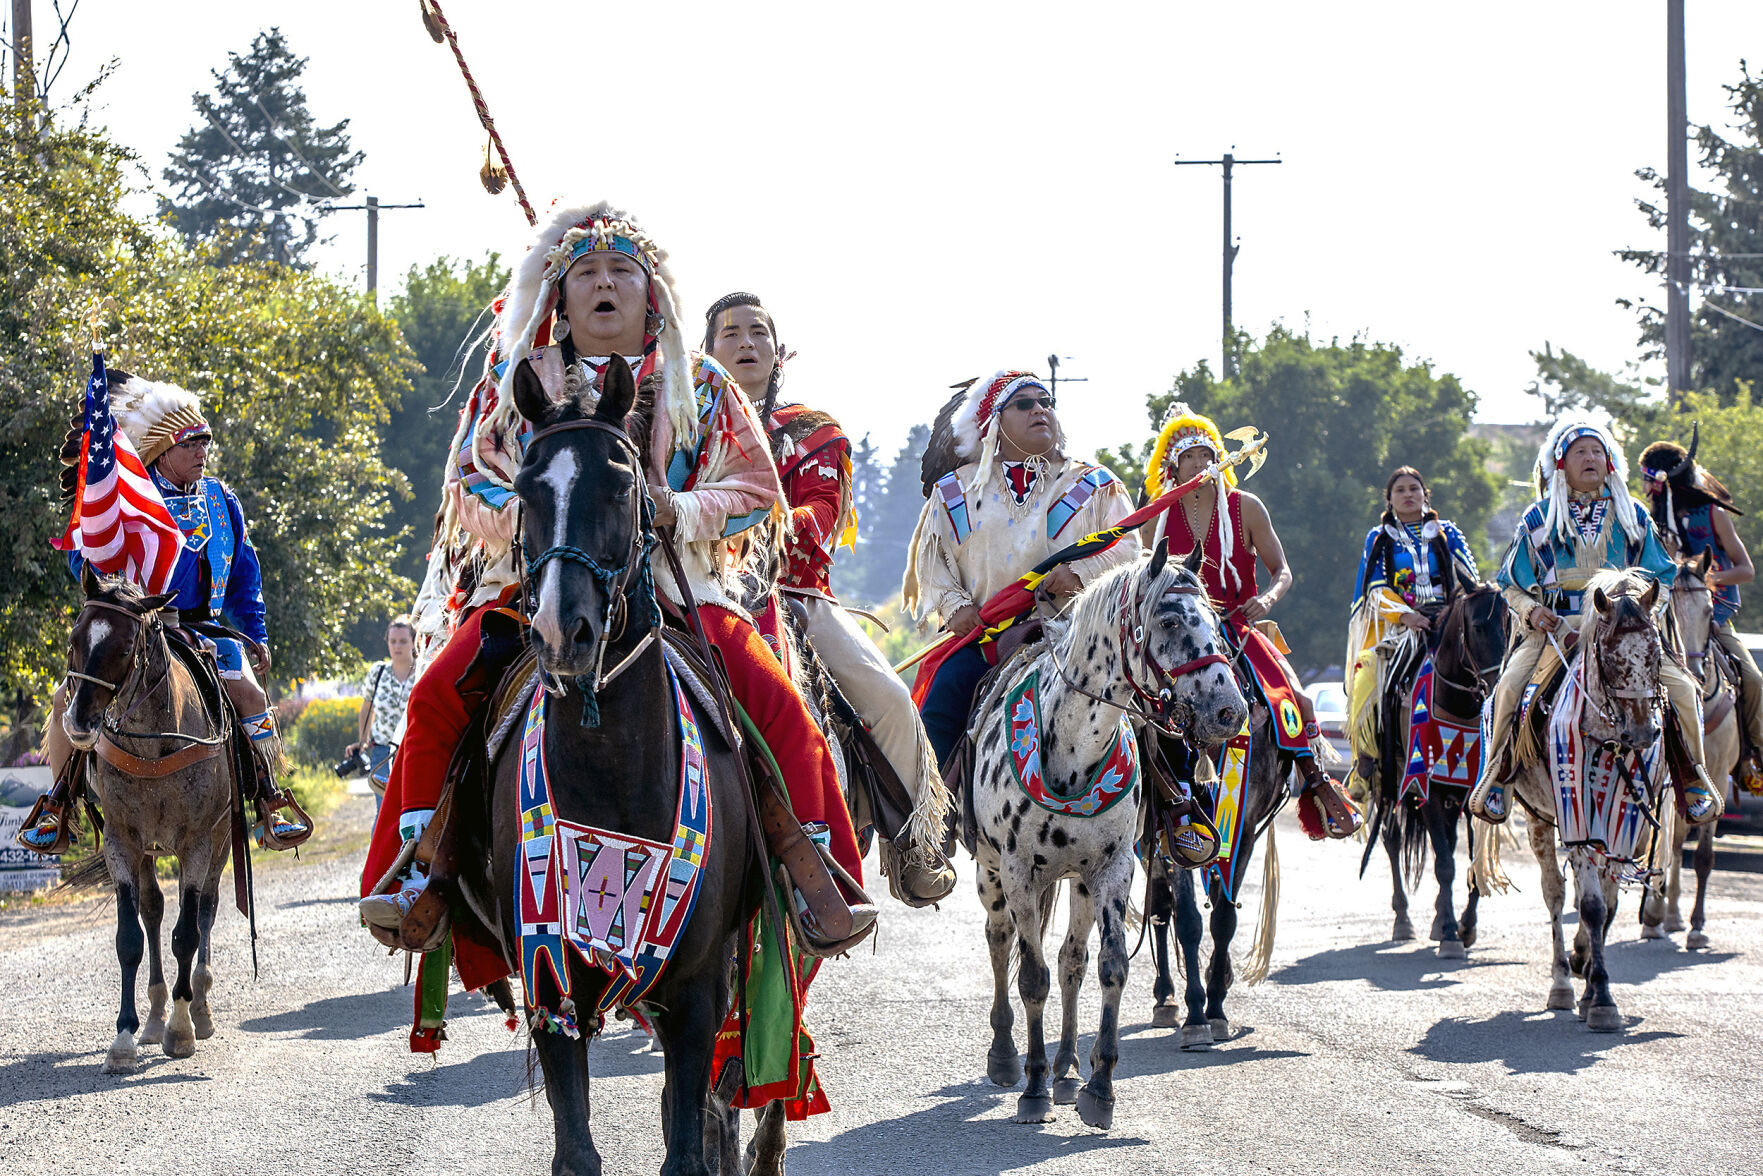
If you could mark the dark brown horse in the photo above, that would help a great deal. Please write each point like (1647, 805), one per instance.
(581, 491)
(132, 700)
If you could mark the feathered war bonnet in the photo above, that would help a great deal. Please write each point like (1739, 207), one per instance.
(528, 308)
(976, 425)
(155, 416)
(1552, 479)
(1184, 429)
(1675, 481)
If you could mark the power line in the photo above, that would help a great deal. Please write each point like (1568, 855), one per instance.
(1734, 317)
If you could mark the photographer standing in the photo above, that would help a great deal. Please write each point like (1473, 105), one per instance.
(382, 704)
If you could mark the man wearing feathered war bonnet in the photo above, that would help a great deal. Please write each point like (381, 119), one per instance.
(592, 286)
(1583, 522)
(1694, 512)
(218, 587)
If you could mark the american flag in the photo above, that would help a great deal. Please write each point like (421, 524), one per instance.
(119, 521)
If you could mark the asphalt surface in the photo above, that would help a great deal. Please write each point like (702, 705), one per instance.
(1356, 1055)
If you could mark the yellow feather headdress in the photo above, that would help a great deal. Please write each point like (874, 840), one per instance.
(1183, 428)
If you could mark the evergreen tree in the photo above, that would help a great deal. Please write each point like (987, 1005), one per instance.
(848, 572)
(896, 516)
(1726, 247)
(256, 162)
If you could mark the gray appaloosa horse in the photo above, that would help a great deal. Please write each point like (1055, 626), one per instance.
(129, 690)
(1056, 795)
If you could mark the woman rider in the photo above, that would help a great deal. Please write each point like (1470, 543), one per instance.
(1413, 561)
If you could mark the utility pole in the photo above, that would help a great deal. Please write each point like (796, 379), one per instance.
(1677, 209)
(1230, 249)
(24, 85)
(1053, 377)
(374, 208)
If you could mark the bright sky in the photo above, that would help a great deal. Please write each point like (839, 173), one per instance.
(928, 191)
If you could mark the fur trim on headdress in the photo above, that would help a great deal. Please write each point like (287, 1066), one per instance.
(1675, 481)
(976, 421)
(154, 417)
(526, 319)
(1552, 481)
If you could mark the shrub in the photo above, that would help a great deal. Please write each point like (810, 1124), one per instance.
(326, 727)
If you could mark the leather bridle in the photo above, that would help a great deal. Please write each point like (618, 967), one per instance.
(147, 626)
(617, 584)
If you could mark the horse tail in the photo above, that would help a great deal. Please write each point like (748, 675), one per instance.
(1486, 869)
(91, 873)
(1414, 846)
(1254, 968)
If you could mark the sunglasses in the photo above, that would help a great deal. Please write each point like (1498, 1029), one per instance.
(1030, 403)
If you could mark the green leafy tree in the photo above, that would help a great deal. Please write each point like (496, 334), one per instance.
(1339, 417)
(255, 168)
(296, 373)
(1726, 246)
(441, 310)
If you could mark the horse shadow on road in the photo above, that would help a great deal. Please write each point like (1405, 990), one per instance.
(1526, 1042)
(356, 1015)
(503, 1073)
(1388, 967)
(953, 1138)
(50, 1077)
(1635, 961)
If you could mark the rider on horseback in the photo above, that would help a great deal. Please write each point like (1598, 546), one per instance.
(219, 600)
(1693, 513)
(1236, 533)
(814, 459)
(1013, 500)
(1413, 561)
(709, 475)
(1583, 522)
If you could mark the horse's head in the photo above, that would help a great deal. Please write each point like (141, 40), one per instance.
(1472, 637)
(1622, 643)
(109, 639)
(1172, 654)
(584, 519)
(1692, 605)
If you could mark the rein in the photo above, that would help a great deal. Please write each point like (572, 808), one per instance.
(200, 748)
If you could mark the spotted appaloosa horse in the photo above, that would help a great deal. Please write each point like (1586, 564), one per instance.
(1470, 642)
(1692, 606)
(1622, 703)
(1141, 636)
(128, 688)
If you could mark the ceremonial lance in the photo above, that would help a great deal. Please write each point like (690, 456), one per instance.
(1015, 598)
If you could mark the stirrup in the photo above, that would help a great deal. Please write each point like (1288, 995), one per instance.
(917, 878)
(1332, 815)
(839, 914)
(274, 830)
(47, 829)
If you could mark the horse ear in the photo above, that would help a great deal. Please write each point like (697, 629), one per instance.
(529, 393)
(1651, 596)
(155, 603)
(1704, 562)
(1601, 601)
(1159, 558)
(1195, 561)
(618, 391)
(89, 580)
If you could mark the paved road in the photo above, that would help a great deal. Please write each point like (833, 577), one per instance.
(1356, 1055)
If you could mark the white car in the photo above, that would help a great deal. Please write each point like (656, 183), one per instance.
(1330, 701)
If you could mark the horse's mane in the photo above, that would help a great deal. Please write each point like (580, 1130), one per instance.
(1615, 582)
(1095, 612)
(120, 590)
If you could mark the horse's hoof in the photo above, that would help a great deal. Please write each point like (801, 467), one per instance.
(1674, 921)
(1437, 934)
(122, 1056)
(1034, 1108)
(203, 1020)
(1004, 1071)
(1094, 1110)
(1403, 931)
(1196, 1036)
(1166, 1016)
(1560, 997)
(1696, 940)
(1452, 949)
(1220, 1029)
(1065, 1091)
(1652, 931)
(1603, 1019)
(1466, 934)
(153, 1032)
(180, 1034)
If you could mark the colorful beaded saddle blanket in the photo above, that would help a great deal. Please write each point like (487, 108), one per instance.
(1227, 812)
(1113, 778)
(1441, 748)
(1604, 799)
(618, 901)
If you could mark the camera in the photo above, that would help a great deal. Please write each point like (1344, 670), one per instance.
(355, 765)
